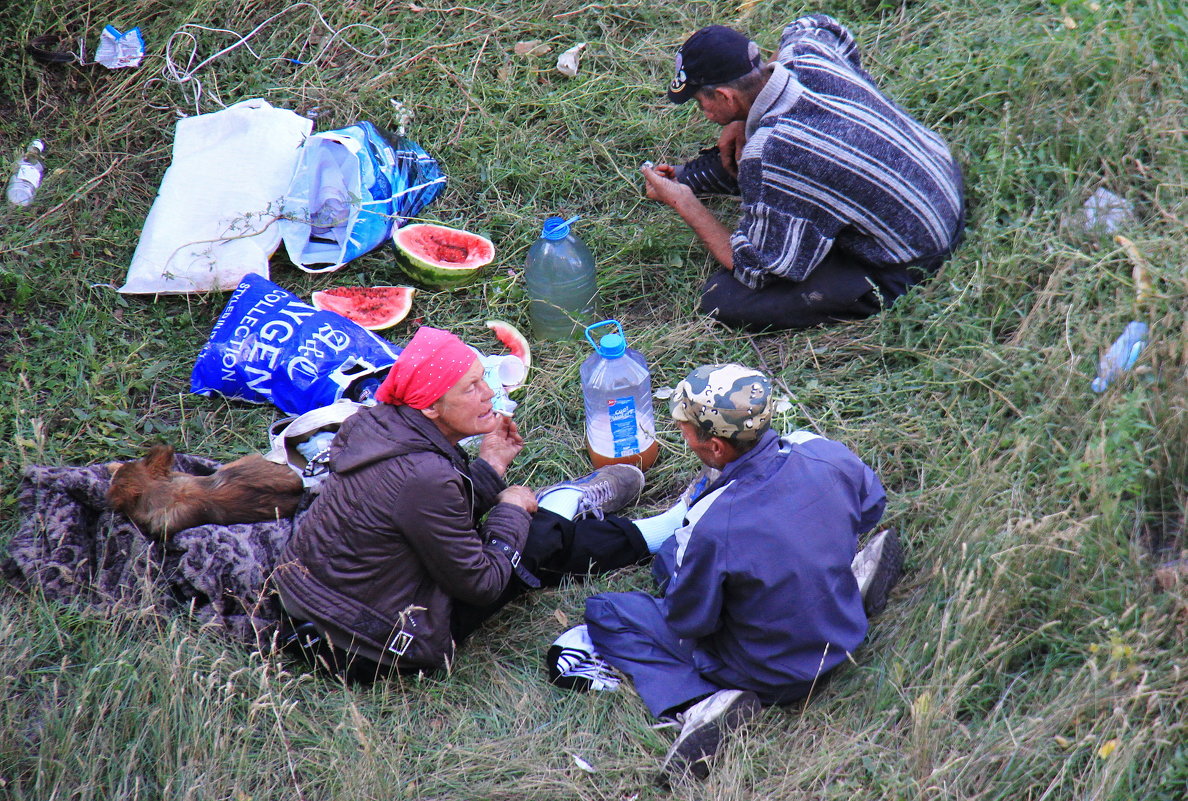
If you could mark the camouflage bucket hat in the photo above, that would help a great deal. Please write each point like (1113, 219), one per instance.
(724, 400)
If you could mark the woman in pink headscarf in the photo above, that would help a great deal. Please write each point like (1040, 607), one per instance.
(410, 544)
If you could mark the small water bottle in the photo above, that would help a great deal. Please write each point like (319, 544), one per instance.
(559, 276)
(22, 186)
(1121, 356)
(617, 390)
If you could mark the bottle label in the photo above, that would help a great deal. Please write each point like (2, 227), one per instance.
(30, 173)
(624, 430)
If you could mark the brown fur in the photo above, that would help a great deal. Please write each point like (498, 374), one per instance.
(162, 501)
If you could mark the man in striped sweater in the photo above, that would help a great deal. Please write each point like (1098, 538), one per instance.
(847, 201)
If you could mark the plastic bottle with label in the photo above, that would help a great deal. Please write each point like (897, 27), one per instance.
(22, 186)
(617, 390)
(559, 276)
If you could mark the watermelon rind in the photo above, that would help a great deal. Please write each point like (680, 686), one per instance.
(389, 304)
(513, 340)
(432, 274)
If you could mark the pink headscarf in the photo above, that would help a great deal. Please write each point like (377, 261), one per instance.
(428, 367)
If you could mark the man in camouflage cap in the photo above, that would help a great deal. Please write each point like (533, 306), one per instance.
(727, 402)
(760, 596)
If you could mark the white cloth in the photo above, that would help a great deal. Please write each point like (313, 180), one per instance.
(213, 221)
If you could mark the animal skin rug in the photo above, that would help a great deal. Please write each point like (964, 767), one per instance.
(73, 548)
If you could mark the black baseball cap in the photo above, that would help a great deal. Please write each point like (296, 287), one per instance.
(713, 55)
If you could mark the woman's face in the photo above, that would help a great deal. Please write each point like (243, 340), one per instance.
(465, 410)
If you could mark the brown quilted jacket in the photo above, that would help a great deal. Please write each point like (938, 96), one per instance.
(394, 537)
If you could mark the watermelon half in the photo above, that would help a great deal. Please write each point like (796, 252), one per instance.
(439, 256)
(373, 307)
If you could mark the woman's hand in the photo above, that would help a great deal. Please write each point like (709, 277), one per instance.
(501, 446)
(519, 496)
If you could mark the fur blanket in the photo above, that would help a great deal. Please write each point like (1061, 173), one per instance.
(71, 547)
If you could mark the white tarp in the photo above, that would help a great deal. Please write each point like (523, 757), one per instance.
(214, 219)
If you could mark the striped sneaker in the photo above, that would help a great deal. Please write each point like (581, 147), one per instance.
(705, 174)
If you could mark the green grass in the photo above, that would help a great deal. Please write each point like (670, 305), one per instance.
(1027, 636)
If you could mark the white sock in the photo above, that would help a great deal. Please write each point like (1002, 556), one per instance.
(563, 501)
(657, 528)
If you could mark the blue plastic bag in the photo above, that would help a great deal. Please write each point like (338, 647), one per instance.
(270, 347)
(349, 188)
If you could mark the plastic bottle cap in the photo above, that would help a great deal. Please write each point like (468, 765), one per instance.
(557, 227)
(37, 143)
(612, 346)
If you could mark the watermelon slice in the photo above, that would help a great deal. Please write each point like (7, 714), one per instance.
(513, 340)
(373, 307)
(439, 256)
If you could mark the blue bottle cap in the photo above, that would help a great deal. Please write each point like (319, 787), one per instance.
(558, 228)
(612, 346)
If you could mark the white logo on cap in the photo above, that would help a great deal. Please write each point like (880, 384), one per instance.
(678, 81)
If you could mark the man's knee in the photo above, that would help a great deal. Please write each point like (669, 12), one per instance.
(821, 300)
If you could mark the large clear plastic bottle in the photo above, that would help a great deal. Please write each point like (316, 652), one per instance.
(22, 186)
(617, 390)
(559, 275)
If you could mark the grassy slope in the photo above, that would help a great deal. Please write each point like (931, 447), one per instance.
(1026, 636)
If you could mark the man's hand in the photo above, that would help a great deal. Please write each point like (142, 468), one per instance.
(663, 186)
(519, 496)
(500, 447)
(730, 145)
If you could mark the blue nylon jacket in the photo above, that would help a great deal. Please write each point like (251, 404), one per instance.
(762, 577)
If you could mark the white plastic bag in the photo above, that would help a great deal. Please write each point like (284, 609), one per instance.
(214, 219)
(288, 434)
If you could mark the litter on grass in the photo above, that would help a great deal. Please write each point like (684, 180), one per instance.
(532, 48)
(1121, 356)
(1144, 285)
(1106, 212)
(118, 49)
(569, 62)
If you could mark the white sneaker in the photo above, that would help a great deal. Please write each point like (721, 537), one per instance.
(697, 486)
(705, 725)
(878, 567)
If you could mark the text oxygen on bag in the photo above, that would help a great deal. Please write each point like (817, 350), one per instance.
(270, 347)
(617, 390)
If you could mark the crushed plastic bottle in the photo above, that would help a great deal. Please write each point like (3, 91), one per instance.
(1105, 211)
(1121, 356)
(22, 186)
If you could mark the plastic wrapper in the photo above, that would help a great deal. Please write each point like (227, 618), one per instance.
(119, 49)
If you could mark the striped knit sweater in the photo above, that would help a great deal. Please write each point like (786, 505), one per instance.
(832, 164)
